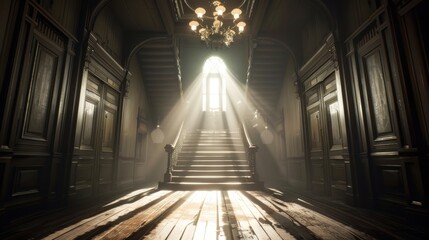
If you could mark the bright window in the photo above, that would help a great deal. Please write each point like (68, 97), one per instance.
(214, 89)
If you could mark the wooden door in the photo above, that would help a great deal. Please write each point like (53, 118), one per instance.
(333, 142)
(108, 121)
(315, 141)
(326, 163)
(93, 165)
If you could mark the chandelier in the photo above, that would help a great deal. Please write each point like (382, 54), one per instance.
(218, 30)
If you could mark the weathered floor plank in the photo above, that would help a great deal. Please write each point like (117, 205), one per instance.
(271, 227)
(321, 226)
(281, 217)
(224, 228)
(173, 225)
(130, 226)
(212, 214)
(189, 217)
(235, 231)
(206, 224)
(104, 218)
(246, 227)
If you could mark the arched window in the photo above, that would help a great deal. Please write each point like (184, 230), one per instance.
(214, 86)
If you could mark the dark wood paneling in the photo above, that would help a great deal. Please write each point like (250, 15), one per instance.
(95, 161)
(415, 46)
(139, 170)
(28, 179)
(325, 124)
(36, 96)
(296, 172)
(385, 114)
(126, 172)
(39, 104)
(83, 175)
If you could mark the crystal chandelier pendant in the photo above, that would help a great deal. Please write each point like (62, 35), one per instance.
(219, 30)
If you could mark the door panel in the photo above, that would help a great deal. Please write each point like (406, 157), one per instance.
(94, 160)
(316, 138)
(378, 102)
(40, 96)
(328, 173)
(334, 125)
(317, 167)
(88, 124)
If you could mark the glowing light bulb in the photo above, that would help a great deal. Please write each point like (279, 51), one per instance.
(200, 12)
(236, 13)
(241, 26)
(193, 25)
(220, 10)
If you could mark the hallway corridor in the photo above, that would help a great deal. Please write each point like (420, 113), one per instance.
(162, 214)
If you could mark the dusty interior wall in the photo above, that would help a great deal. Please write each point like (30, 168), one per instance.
(293, 167)
(5, 13)
(313, 35)
(109, 34)
(135, 102)
(356, 12)
(134, 129)
(4, 16)
(64, 11)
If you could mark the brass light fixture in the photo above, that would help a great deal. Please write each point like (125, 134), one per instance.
(219, 30)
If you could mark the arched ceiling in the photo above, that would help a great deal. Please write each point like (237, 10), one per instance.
(277, 19)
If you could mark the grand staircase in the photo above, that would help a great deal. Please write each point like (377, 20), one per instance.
(212, 159)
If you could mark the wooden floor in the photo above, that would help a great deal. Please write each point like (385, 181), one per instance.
(164, 214)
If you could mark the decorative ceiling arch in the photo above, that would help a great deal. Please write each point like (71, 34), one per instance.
(139, 46)
(325, 8)
(95, 11)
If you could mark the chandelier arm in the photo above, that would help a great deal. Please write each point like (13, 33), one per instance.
(242, 3)
(189, 6)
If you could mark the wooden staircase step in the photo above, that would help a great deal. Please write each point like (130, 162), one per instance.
(212, 152)
(220, 144)
(213, 167)
(209, 173)
(210, 159)
(212, 186)
(211, 162)
(212, 179)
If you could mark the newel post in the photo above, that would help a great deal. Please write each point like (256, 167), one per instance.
(169, 149)
(252, 161)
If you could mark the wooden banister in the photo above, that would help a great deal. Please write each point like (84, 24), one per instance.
(246, 134)
(169, 148)
(251, 152)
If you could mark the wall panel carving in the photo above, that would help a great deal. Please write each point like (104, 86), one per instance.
(327, 151)
(95, 153)
(31, 127)
(385, 129)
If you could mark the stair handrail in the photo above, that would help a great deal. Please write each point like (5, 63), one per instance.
(246, 134)
(251, 152)
(251, 148)
(169, 148)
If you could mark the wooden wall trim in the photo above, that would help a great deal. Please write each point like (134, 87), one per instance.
(98, 53)
(313, 66)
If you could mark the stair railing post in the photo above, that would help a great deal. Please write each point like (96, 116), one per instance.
(169, 149)
(252, 161)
